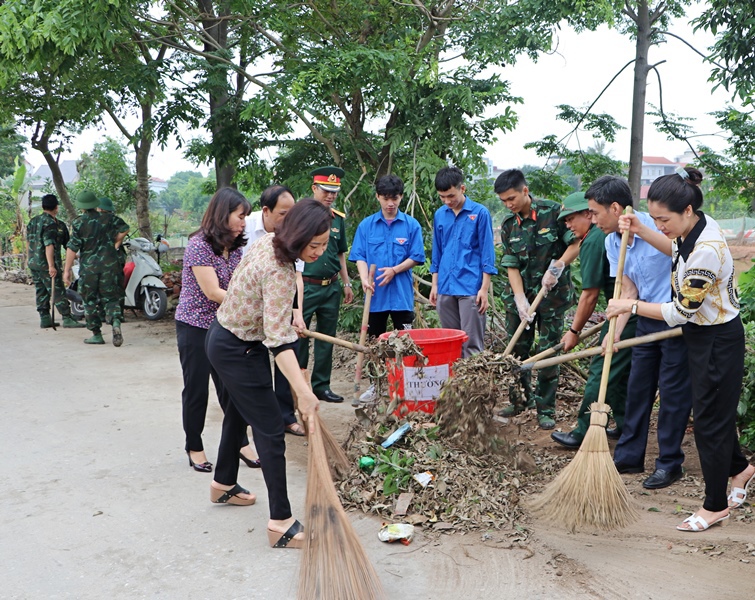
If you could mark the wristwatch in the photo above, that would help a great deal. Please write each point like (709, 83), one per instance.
(635, 306)
(346, 285)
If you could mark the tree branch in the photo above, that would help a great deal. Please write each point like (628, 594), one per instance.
(695, 50)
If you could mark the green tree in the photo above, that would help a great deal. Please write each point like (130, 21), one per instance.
(11, 148)
(107, 171)
(733, 53)
(380, 86)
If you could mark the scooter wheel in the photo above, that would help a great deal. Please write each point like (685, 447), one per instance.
(155, 303)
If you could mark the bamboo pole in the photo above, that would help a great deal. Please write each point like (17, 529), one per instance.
(643, 339)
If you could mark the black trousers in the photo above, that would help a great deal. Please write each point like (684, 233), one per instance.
(285, 398)
(197, 371)
(656, 366)
(244, 369)
(378, 321)
(716, 367)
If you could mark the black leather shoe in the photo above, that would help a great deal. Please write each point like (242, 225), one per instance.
(329, 396)
(613, 434)
(566, 439)
(661, 479)
(625, 468)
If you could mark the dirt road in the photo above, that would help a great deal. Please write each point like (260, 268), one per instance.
(97, 499)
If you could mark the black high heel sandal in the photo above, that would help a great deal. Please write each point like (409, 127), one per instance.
(251, 463)
(205, 467)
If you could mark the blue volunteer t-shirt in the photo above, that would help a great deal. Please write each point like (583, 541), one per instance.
(463, 249)
(384, 244)
(648, 268)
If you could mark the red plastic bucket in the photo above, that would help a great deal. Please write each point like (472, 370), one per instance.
(419, 385)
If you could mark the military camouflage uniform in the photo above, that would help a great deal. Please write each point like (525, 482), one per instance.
(42, 231)
(99, 287)
(529, 245)
(116, 225)
(322, 297)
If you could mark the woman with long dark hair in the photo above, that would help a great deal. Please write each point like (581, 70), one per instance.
(255, 319)
(704, 302)
(212, 254)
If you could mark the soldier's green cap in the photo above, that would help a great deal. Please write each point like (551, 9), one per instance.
(328, 178)
(106, 204)
(573, 203)
(87, 200)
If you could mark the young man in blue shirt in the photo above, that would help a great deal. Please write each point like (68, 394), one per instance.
(392, 241)
(656, 366)
(463, 259)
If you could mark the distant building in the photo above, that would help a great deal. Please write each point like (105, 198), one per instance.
(654, 167)
(157, 186)
(41, 180)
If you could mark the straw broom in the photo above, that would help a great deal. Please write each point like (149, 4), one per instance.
(334, 564)
(589, 491)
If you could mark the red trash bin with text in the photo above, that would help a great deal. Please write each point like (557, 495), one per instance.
(417, 384)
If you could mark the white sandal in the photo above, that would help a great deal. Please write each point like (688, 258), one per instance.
(697, 523)
(738, 495)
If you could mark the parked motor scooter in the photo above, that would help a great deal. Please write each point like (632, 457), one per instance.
(142, 275)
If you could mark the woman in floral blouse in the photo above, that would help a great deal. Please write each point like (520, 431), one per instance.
(212, 254)
(255, 319)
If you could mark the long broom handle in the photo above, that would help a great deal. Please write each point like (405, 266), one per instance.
(334, 340)
(558, 347)
(363, 336)
(612, 324)
(523, 325)
(644, 339)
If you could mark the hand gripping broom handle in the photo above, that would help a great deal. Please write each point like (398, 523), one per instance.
(558, 347)
(523, 325)
(334, 340)
(363, 337)
(612, 324)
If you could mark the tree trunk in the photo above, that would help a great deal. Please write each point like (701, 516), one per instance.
(141, 195)
(217, 29)
(42, 143)
(644, 32)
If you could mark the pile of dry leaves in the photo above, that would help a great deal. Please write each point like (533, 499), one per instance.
(453, 470)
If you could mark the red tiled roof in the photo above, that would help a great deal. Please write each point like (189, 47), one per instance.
(657, 160)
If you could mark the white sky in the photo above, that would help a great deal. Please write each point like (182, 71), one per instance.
(574, 74)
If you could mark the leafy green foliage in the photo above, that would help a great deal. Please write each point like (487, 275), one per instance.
(394, 466)
(733, 53)
(11, 148)
(107, 171)
(569, 170)
(746, 407)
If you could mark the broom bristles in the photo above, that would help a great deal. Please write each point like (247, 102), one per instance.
(589, 491)
(334, 564)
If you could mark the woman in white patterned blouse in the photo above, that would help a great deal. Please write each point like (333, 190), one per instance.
(704, 301)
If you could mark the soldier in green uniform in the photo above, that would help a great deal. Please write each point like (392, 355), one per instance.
(537, 247)
(118, 229)
(98, 263)
(322, 291)
(46, 235)
(596, 277)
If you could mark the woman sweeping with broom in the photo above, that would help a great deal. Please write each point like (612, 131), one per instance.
(704, 302)
(254, 318)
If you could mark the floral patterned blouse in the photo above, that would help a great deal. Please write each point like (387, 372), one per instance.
(194, 308)
(260, 297)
